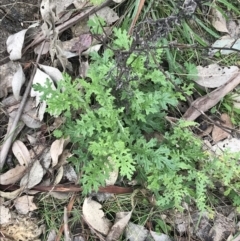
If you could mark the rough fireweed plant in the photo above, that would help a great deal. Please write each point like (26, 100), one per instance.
(123, 97)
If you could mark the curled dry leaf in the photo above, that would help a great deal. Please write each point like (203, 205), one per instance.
(21, 152)
(25, 204)
(34, 176)
(15, 43)
(53, 72)
(13, 175)
(17, 82)
(94, 48)
(11, 195)
(95, 216)
(57, 148)
(213, 76)
(122, 219)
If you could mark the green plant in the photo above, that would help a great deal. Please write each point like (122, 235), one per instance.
(109, 114)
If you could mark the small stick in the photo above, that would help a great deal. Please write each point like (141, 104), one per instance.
(66, 229)
(69, 209)
(8, 142)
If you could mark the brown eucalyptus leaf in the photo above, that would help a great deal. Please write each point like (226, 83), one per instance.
(13, 175)
(11, 195)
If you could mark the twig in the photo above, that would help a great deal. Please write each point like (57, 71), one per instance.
(8, 140)
(69, 209)
(65, 224)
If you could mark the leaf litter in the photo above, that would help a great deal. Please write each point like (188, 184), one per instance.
(31, 170)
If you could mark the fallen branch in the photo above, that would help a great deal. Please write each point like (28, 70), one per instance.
(70, 188)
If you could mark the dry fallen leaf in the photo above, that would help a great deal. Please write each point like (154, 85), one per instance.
(206, 102)
(213, 76)
(218, 133)
(59, 176)
(232, 145)
(15, 42)
(53, 72)
(225, 42)
(11, 195)
(34, 176)
(17, 82)
(24, 204)
(21, 152)
(218, 21)
(95, 216)
(94, 48)
(29, 117)
(135, 232)
(122, 219)
(13, 175)
(57, 148)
